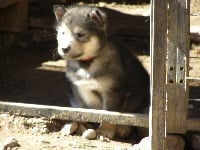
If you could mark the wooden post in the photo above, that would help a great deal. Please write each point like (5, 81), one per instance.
(182, 64)
(177, 65)
(157, 131)
(171, 64)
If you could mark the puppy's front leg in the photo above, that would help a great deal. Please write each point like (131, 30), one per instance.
(111, 102)
(106, 130)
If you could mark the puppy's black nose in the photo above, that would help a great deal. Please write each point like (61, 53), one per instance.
(65, 50)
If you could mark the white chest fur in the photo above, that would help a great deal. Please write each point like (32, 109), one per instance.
(83, 74)
(86, 81)
(86, 87)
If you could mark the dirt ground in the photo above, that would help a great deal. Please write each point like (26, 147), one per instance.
(28, 74)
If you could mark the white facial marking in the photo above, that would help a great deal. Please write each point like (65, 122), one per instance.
(64, 38)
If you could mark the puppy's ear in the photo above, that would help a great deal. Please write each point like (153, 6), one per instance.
(98, 16)
(59, 11)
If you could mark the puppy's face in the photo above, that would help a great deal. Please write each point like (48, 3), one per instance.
(77, 43)
(80, 32)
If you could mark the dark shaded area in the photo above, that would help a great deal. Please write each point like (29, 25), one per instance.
(20, 56)
(127, 25)
(36, 5)
(194, 92)
(20, 81)
(118, 23)
(194, 95)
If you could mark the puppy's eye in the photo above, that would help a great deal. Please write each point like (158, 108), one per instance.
(63, 33)
(80, 35)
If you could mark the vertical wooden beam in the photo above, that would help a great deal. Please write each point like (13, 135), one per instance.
(171, 64)
(177, 66)
(182, 64)
(157, 130)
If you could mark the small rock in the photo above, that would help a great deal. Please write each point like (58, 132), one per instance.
(69, 128)
(89, 134)
(10, 143)
(35, 129)
(45, 130)
(4, 115)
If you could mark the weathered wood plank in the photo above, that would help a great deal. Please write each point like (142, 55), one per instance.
(14, 17)
(178, 48)
(171, 64)
(78, 114)
(193, 124)
(193, 79)
(158, 74)
(182, 65)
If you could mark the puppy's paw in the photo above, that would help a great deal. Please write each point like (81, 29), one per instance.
(82, 127)
(123, 131)
(69, 128)
(106, 130)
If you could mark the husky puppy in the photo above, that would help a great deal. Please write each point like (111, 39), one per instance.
(102, 73)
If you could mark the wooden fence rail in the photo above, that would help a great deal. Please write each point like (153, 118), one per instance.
(77, 114)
